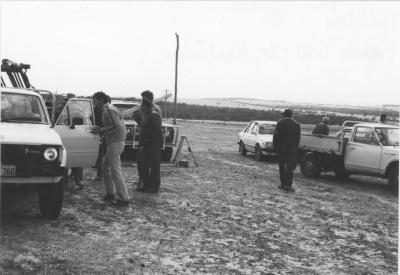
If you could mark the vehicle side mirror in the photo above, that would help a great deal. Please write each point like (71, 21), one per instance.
(76, 121)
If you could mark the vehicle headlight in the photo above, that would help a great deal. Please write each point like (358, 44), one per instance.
(50, 154)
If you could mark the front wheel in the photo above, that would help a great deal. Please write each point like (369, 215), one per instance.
(51, 197)
(393, 177)
(309, 166)
(242, 150)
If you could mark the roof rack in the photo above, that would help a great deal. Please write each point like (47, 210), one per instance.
(16, 73)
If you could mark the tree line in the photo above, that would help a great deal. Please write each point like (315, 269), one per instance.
(204, 112)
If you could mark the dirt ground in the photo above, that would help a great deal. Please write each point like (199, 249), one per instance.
(225, 216)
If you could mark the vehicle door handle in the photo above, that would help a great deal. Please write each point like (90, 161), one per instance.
(352, 148)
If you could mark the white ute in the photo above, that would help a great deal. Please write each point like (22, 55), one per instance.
(371, 149)
(36, 153)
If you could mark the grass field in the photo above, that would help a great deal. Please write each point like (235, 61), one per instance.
(225, 216)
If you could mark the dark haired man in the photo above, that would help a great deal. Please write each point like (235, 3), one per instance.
(286, 141)
(150, 142)
(114, 133)
(138, 114)
(139, 118)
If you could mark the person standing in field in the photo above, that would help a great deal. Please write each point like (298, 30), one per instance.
(114, 134)
(383, 118)
(322, 128)
(150, 143)
(139, 118)
(286, 141)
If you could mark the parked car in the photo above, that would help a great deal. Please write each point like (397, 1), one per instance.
(170, 132)
(256, 138)
(35, 152)
(371, 149)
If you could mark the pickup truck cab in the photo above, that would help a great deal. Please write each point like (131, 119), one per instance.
(371, 149)
(36, 152)
(256, 138)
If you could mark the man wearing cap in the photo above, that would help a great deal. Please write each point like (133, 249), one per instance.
(322, 128)
(286, 141)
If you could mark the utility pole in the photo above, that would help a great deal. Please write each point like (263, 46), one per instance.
(176, 76)
(165, 104)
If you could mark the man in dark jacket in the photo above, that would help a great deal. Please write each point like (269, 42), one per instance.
(322, 128)
(286, 141)
(150, 142)
(138, 116)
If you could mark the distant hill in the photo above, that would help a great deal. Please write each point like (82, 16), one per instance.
(361, 112)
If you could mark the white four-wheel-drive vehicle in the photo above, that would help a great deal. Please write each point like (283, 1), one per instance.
(170, 132)
(37, 150)
(256, 138)
(371, 149)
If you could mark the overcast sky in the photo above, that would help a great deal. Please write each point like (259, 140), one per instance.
(319, 52)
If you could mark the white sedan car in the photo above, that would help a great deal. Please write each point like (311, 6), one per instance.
(256, 138)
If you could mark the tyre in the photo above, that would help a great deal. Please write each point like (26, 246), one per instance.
(309, 166)
(242, 150)
(393, 177)
(257, 153)
(166, 154)
(51, 197)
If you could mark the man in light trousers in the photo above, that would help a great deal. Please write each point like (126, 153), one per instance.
(114, 133)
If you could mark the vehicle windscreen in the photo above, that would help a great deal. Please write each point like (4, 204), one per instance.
(388, 136)
(20, 108)
(266, 129)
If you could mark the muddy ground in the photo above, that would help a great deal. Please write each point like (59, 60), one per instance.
(225, 216)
